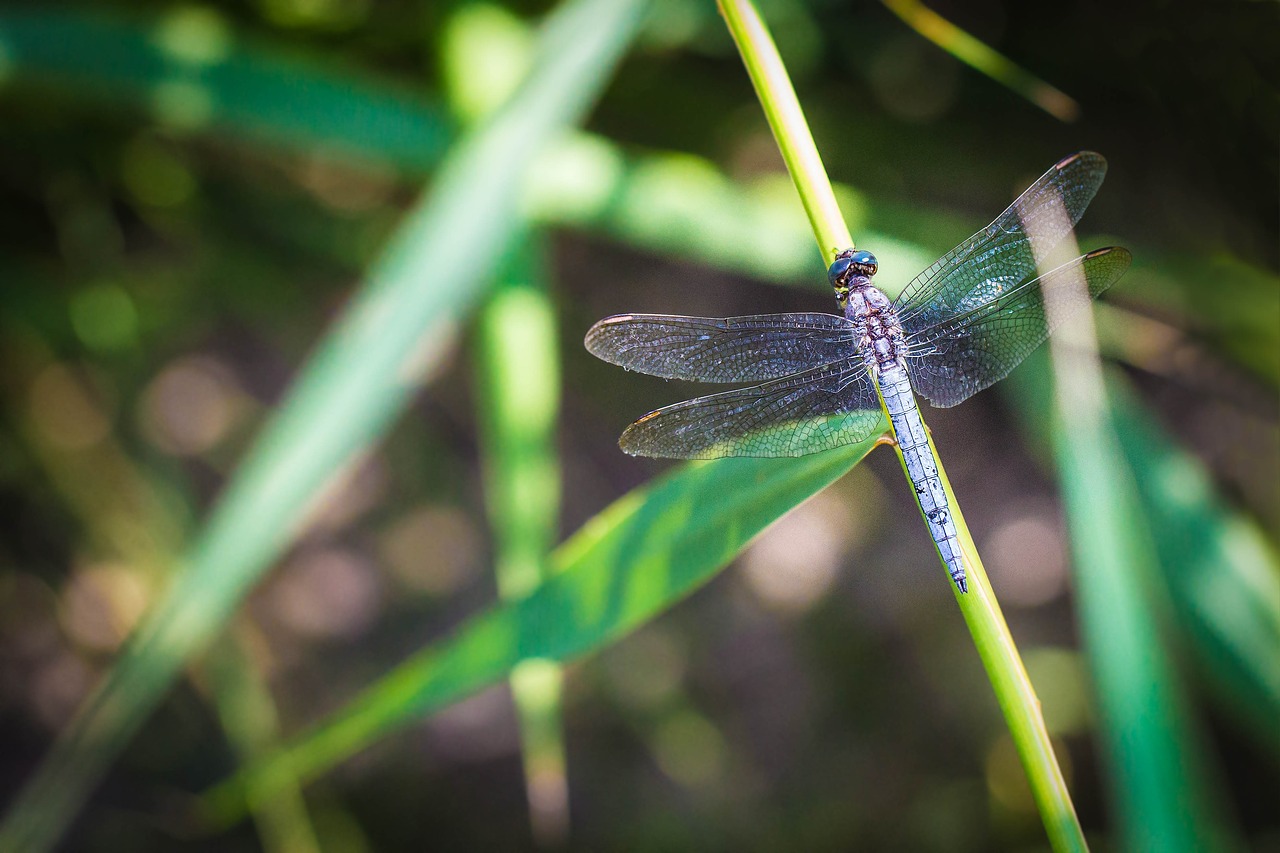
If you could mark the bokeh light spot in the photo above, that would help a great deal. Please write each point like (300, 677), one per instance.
(691, 750)
(353, 490)
(913, 80)
(104, 317)
(1062, 685)
(63, 413)
(795, 562)
(327, 593)
(487, 51)
(155, 175)
(191, 406)
(195, 35)
(1007, 780)
(57, 689)
(101, 604)
(432, 549)
(346, 183)
(477, 728)
(674, 23)
(646, 669)
(1026, 557)
(316, 14)
(182, 104)
(572, 181)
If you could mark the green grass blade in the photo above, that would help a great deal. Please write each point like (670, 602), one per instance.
(632, 561)
(519, 372)
(981, 57)
(1157, 777)
(1157, 766)
(360, 377)
(190, 71)
(1220, 575)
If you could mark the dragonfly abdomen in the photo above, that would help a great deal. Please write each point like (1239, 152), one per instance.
(883, 347)
(922, 468)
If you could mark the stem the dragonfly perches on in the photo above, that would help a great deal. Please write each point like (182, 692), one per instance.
(981, 611)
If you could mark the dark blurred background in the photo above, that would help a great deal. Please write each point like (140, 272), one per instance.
(164, 276)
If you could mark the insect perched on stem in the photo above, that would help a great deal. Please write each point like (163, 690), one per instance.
(960, 326)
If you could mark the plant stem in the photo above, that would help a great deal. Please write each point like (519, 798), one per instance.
(782, 109)
(1012, 686)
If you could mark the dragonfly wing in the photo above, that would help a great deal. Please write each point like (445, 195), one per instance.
(1001, 253)
(733, 349)
(819, 409)
(978, 345)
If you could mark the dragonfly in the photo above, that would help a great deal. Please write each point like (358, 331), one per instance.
(818, 379)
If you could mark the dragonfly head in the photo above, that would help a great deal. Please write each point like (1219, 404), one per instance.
(848, 265)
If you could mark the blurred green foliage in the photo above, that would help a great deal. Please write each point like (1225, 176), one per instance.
(191, 196)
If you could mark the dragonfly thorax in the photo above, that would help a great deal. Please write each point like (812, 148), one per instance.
(876, 326)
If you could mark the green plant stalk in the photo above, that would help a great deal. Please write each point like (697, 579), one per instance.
(1013, 689)
(519, 373)
(782, 109)
(249, 717)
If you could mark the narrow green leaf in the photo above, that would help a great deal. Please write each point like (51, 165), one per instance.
(1158, 767)
(346, 397)
(634, 560)
(976, 54)
(1221, 577)
(190, 71)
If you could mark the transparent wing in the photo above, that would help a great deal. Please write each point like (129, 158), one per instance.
(819, 409)
(978, 342)
(733, 349)
(1000, 254)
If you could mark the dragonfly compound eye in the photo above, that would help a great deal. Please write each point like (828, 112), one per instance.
(863, 263)
(839, 269)
(851, 262)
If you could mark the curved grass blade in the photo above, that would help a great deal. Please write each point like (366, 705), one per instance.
(978, 55)
(1157, 784)
(189, 70)
(631, 562)
(1221, 576)
(345, 398)
(1160, 771)
(1223, 579)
